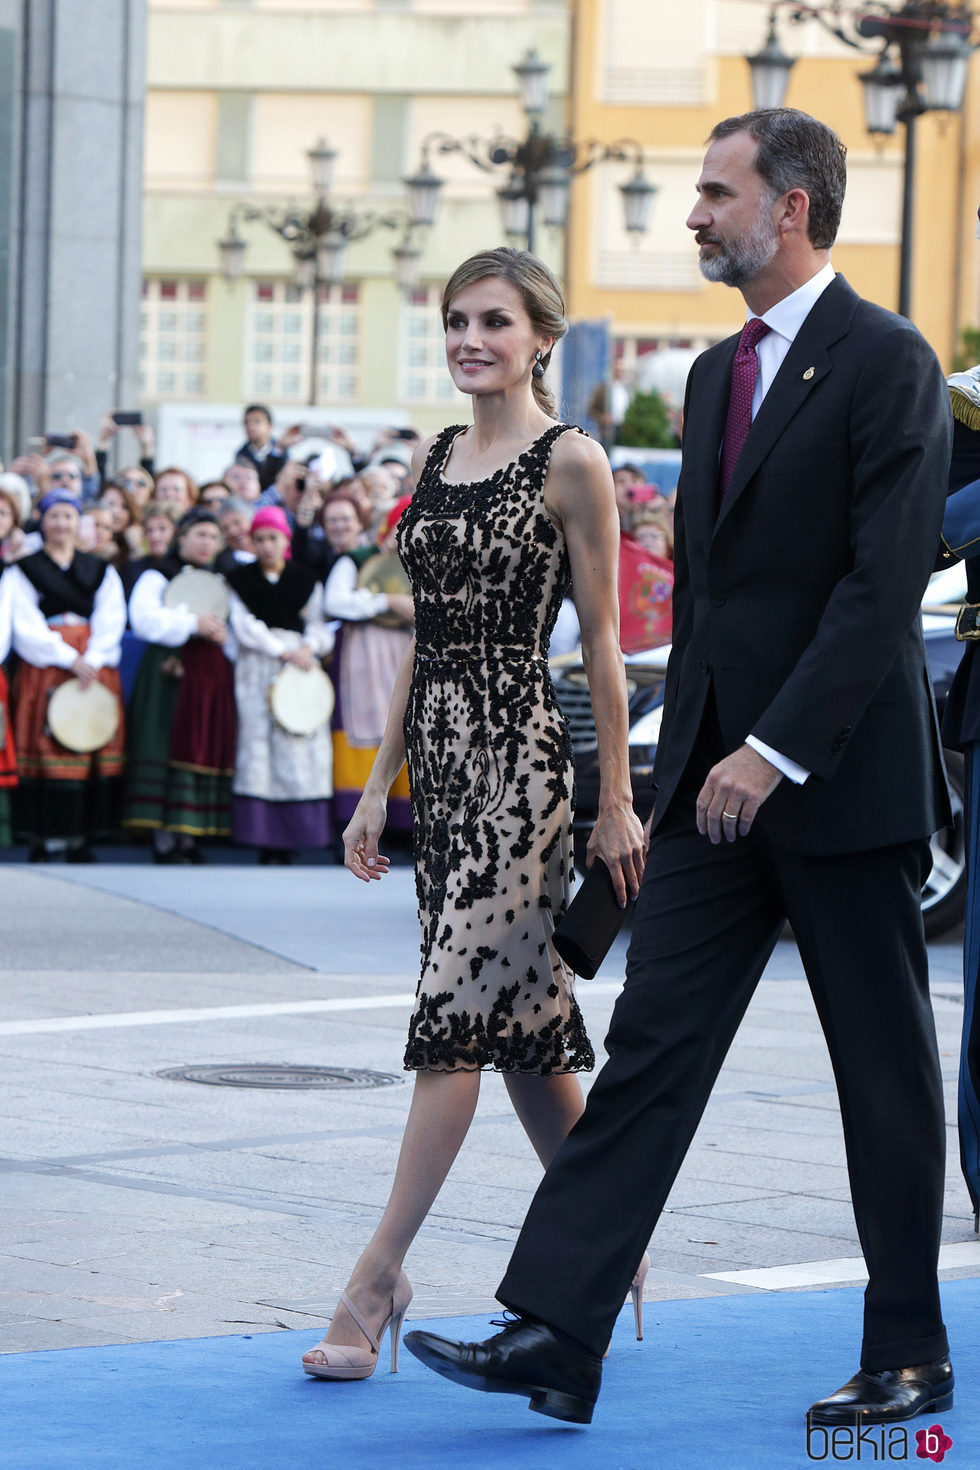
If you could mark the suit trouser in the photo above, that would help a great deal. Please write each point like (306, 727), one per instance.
(705, 925)
(969, 1083)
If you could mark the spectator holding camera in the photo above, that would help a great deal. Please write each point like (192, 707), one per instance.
(146, 438)
(287, 491)
(631, 490)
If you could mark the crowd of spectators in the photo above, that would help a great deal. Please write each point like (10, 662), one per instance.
(339, 525)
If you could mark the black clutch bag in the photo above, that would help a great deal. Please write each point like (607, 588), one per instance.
(590, 923)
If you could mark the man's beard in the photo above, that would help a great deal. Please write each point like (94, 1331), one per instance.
(737, 261)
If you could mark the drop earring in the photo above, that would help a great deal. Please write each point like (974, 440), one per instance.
(538, 369)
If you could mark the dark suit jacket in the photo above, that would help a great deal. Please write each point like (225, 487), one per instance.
(961, 524)
(799, 603)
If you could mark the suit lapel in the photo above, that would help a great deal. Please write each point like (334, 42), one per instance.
(708, 411)
(806, 363)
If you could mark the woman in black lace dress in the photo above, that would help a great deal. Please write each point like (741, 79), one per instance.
(508, 515)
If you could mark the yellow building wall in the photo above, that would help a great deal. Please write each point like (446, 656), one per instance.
(946, 257)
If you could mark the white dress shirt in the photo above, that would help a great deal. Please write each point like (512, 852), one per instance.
(784, 321)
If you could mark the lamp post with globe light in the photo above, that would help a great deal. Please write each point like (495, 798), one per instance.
(540, 167)
(318, 237)
(922, 64)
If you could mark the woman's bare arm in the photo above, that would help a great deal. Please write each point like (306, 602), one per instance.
(579, 494)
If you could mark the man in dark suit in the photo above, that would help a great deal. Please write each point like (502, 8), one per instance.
(798, 775)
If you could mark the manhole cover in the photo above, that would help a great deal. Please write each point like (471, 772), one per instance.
(265, 1074)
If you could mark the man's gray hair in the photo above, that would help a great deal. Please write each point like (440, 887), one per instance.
(797, 152)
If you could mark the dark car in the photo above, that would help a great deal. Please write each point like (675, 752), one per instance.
(944, 895)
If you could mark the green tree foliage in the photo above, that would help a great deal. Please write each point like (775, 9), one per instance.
(969, 353)
(647, 423)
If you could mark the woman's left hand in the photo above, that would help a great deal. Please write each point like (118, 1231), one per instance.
(618, 839)
(302, 657)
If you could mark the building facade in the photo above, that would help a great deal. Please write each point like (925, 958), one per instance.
(236, 94)
(71, 107)
(238, 90)
(665, 73)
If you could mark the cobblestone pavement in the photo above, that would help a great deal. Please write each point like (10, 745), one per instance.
(137, 1207)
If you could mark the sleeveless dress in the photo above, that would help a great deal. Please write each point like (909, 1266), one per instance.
(490, 770)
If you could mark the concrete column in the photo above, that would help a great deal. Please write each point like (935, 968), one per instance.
(70, 211)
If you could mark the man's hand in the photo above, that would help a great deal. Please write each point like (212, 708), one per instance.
(733, 792)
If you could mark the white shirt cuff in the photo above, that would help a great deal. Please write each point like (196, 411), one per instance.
(797, 774)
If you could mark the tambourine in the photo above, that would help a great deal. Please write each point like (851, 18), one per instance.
(83, 720)
(385, 573)
(301, 700)
(199, 591)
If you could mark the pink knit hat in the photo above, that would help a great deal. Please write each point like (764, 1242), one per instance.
(273, 517)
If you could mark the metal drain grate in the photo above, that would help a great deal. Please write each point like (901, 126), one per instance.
(285, 1076)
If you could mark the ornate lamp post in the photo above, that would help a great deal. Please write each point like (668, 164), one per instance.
(541, 167)
(318, 238)
(923, 60)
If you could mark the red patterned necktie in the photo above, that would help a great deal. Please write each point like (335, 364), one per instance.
(745, 370)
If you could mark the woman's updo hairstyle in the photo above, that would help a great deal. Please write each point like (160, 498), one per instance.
(540, 292)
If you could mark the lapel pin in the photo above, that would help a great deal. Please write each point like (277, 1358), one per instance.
(808, 374)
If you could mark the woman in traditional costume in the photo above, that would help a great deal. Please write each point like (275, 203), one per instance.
(283, 782)
(182, 713)
(8, 757)
(68, 617)
(376, 612)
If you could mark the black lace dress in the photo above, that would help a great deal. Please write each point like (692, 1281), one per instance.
(490, 768)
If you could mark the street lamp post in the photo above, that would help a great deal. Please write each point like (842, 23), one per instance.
(318, 237)
(541, 166)
(930, 39)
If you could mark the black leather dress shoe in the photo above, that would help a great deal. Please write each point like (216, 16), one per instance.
(559, 1376)
(889, 1396)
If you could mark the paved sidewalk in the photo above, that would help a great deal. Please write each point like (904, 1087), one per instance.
(135, 1207)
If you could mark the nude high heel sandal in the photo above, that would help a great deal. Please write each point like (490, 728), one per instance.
(353, 1362)
(636, 1292)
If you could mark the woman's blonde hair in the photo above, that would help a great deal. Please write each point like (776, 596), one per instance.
(9, 498)
(540, 292)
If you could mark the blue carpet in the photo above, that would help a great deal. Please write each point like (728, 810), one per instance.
(720, 1383)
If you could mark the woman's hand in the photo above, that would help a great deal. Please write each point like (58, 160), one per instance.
(619, 840)
(361, 838)
(402, 605)
(302, 656)
(84, 673)
(147, 439)
(108, 429)
(211, 627)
